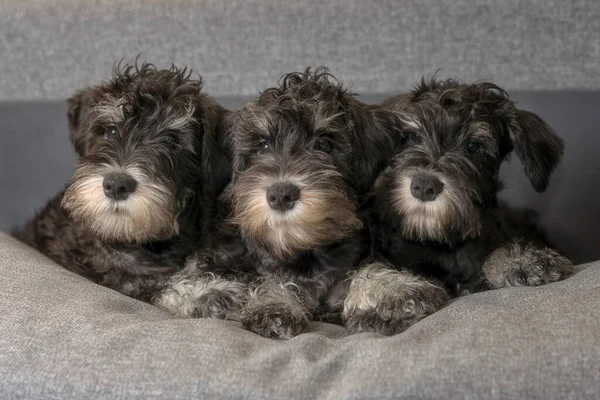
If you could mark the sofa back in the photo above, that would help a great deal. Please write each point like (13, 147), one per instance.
(52, 48)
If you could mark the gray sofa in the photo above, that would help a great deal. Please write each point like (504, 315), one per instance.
(64, 337)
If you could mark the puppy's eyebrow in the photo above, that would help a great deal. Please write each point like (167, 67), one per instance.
(411, 120)
(326, 123)
(262, 123)
(110, 109)
(482, 130)
(182, 119)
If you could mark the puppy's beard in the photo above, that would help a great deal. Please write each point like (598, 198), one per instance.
(450, 216)
(321, 215)
(148, 213)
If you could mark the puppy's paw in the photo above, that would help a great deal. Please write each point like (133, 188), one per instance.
(218, 304)
(203, 298)
(387, 301)
(526, 266)
(370, 320)
(276, 320)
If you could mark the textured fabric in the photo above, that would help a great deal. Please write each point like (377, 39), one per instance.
(50, 48)
(36, 161)
(62, 337)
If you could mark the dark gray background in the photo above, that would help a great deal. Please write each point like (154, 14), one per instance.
(36, 161)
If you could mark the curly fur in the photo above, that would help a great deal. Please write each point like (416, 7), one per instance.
(202, 297)
(384, 300)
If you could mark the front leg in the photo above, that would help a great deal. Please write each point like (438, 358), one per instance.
(525, 265)
(388, 301)
(141, 287)
(205, 289)
(276, 310)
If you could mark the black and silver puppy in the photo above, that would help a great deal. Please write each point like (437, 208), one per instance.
(435, 215)
(149, 169)
(305, 153)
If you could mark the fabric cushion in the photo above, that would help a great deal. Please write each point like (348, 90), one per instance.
(62, 337)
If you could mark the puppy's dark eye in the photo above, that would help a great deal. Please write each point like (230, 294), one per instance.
(411, 137)
(448, 102)
(171, 140)
(110, 131)
(473, 147)
(263, 146)
(324, 145)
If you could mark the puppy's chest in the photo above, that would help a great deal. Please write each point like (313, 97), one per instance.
(452, 265)
(327, 263)
(159, 257)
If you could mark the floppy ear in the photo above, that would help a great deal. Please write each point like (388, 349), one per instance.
(378, 137)
(538, 147)
(77, 114)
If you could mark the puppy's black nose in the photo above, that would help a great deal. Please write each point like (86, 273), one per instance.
(426, 187)
(283, 196)
(118, 186)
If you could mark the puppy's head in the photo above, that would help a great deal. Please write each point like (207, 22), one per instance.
(456, 137)
(304, 152)
(143, 140)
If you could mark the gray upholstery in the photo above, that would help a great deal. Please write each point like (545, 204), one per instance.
(62, 337)
(50, 48)
(36, 161)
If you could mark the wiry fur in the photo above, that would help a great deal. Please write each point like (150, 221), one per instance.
(325, 212)
(148, 213)
(290, 260)
(160, 129)
(461, 241)
(451, 213)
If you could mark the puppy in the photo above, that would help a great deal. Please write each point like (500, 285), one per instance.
(435, 215)
(305, 153)
(149, 168)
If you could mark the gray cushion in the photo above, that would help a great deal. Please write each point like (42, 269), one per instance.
(62, 337)
(51, 48)
(36, 161)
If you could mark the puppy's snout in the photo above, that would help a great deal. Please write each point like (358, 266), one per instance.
(283, 196)
(426, 187)
(118, 186)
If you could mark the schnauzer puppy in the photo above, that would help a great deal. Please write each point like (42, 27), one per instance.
(149, 168)
(435, 216)
(305, 153)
